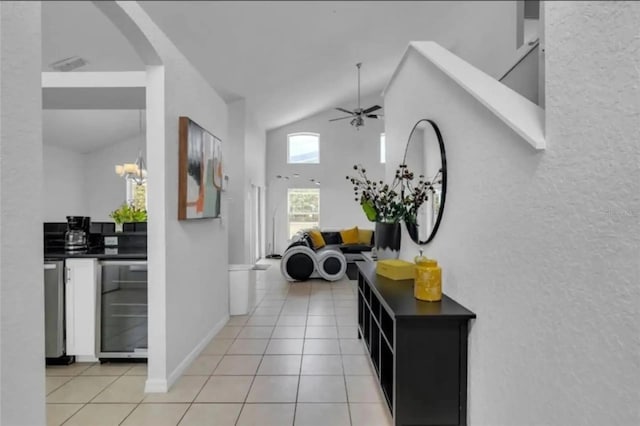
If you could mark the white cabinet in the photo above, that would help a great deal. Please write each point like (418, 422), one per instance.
(81, 304)
(242, 289)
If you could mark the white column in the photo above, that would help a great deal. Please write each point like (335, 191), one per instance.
(22, 387)
(237, 190)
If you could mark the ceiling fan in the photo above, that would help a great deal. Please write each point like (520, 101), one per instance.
(358, 114)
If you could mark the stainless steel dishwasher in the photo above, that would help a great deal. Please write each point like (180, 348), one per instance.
(54, 343)
(122, 316)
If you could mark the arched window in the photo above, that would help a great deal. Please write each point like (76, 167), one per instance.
(303, 148)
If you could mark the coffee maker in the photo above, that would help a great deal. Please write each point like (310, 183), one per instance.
(77, 236)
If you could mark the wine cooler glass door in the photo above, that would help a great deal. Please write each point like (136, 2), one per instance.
(123, 313)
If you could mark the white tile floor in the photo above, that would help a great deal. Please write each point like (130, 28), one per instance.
(294, 361)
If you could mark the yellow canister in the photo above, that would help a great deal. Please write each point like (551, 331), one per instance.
(428, 280)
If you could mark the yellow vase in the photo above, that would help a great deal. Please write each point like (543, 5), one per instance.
(428, 280)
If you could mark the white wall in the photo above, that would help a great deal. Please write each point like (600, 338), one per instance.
(105, 191)
(341, 146)
(188, 277)
(22, 384)
(541, 57)
(524, 77)
(86, 184)
(234, 164)
(64, 184)
(255, 166)
(245, 166)
(543, 246)
(197, 251)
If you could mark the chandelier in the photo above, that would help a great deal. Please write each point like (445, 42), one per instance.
(133, 171)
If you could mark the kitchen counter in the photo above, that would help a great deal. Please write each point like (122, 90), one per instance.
(101, 253)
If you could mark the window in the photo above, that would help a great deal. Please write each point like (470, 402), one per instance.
(303, 148)
(383, 149)
(303, 209)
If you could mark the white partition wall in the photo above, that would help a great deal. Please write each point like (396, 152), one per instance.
(188, 277)
(543, 245)
(22, 387)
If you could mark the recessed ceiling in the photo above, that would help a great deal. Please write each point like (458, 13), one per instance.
(88, 130)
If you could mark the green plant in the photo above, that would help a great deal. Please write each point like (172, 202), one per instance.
(128, 213)
(381, 202)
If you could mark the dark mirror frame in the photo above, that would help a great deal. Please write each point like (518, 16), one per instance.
(443, 196)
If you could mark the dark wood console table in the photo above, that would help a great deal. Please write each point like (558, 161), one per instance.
(418, 349)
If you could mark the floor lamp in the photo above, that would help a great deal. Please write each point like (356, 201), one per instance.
(273, 254)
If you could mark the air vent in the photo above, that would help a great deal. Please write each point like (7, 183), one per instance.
(69, 64)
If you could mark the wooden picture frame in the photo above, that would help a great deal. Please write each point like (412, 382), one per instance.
(200, 175)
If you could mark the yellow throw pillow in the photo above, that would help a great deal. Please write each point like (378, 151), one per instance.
(349, 236)
(316, 239)
(364, 236)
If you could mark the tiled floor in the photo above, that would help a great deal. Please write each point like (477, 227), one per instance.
(295, 361)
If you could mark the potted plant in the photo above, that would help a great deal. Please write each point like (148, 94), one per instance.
(383, 205)
(389, 204)
(127, 213)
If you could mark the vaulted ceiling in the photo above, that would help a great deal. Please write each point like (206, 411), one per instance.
(289, 59)
(78, 28)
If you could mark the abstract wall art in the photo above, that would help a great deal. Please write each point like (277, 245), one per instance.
(200, 173)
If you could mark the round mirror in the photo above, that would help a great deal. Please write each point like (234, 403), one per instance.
(424, 188)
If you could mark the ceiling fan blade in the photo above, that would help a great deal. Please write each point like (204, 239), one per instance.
(374, 115)
(346, 110)
(341, 118)
(371, 109)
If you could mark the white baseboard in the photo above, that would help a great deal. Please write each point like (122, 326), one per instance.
(86, 358)
(155, 386)
(162, 386)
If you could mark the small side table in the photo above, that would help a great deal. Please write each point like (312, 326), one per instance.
(242, 287)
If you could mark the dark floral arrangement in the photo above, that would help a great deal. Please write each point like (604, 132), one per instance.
(391, 203)
(415, 194)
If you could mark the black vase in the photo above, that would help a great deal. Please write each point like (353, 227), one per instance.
(387, 240)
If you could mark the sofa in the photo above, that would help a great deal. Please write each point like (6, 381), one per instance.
(303, 259)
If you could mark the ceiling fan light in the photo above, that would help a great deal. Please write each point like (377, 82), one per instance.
(358, 113)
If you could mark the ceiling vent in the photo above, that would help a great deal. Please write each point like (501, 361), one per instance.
(69, 64)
